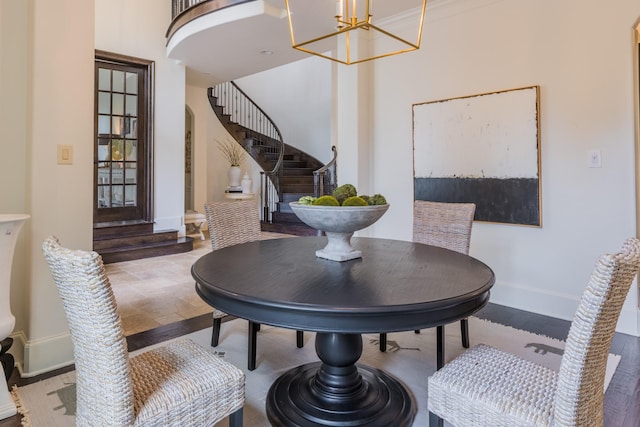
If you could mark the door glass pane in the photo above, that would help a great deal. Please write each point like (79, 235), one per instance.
(132, 105)
(132, 150)
(117, 173)
(104, 125)
(131, 127)
(104, 104)
(104, 199)
(116, 196)
(130, 195)
(132, 83)
(117, 126)
(116, 149)
(118, 81)
(103, 173)
(130, 173)
(118, 104)
(104, 79)
(103, 150)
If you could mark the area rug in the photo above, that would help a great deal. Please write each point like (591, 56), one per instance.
(410, 357)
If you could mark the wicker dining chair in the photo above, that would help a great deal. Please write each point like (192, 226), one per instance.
(233, 223)
(446, 225)
(488, 387)
(177, 384)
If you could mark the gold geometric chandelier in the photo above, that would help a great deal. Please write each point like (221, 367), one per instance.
(345, 32)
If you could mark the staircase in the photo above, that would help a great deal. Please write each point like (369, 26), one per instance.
(128, 240)
(288, 170)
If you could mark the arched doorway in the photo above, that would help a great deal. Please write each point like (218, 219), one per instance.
(188, 161)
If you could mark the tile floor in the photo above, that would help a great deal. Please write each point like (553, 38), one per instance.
(158, 291)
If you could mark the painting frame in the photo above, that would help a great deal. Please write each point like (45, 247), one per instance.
(482, 149)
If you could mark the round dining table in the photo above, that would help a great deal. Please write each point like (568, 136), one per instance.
(395, 286)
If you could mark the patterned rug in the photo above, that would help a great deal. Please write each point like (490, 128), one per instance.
(410, 358)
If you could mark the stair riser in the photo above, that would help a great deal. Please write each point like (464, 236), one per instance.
(306, 180)
(150, 252)
(129, 241)
(298, 172)
(290, 164)
(122, 230)
(298, 188)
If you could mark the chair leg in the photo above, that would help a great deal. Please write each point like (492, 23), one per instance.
(253, 338)
(440, 347)
(235, 419)
(464, 332)
(300, 339)
(383, 342)
(215, 334)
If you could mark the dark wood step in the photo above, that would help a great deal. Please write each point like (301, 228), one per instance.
(290, 164)
(306, 189)
(285, 217)
(300, 229)
(135, 240)
(107, 230)
(297, 179)
(298, 172)
(148, 250)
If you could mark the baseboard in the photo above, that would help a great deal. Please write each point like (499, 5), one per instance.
(40, 356)
(553, 304)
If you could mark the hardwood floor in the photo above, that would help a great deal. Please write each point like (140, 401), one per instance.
(148, 320)
(622, 399)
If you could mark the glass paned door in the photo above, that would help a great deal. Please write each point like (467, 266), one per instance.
(120, 142)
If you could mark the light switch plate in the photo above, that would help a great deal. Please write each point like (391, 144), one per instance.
(65, 154)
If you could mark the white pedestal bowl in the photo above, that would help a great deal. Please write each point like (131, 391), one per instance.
(339, 223)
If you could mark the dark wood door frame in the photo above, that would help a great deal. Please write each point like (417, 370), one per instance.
(146, 202)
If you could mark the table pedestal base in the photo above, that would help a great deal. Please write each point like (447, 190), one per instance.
(337, 392)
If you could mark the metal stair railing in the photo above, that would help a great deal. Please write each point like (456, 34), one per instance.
(252, 128)
(325, 179)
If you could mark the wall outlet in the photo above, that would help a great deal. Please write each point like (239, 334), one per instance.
(594, 159)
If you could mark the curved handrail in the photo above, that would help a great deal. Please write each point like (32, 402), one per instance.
(319, 174)
(278, 164)
(185, 11)
(235, 108)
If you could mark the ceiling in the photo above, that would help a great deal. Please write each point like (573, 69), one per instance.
(247, 38)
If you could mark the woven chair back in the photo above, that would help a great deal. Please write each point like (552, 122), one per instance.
(580, 391)
(232, 223)
(104, 388)
(446, 225)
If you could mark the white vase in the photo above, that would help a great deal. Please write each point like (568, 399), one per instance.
(10, 225)
(234, 175)
(246, 183)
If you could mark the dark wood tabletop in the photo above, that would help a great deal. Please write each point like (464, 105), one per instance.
(395, 286)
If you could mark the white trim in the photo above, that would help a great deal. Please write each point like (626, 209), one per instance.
(44, 355)
(558, 305)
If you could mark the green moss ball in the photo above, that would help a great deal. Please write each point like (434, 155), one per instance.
(326, 201)
(355, 201)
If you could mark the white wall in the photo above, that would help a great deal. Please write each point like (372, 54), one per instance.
(47, 56)
(14, 166)
(303, 87)
(581, 54)
(137, 28)
(297, 97)
(210, 166)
